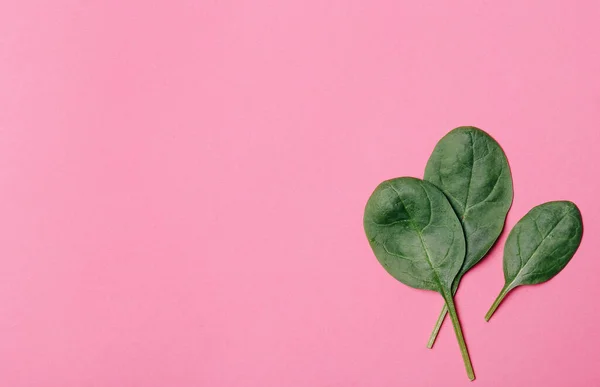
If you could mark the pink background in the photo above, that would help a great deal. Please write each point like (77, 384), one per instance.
(182, 186)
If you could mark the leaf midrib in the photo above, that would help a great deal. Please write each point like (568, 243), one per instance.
(438, 280)
(466, 205)
(566, 215)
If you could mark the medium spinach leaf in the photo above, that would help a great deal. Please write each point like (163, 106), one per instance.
(470, 167)
(418, 239)
(540, 246)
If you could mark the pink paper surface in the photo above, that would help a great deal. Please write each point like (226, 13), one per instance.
(182, 186)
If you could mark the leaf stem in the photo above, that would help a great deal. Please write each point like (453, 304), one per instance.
(497, 302)
(437, 327)
(441, 317)
(459, 335)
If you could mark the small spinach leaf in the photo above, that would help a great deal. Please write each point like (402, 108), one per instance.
(470, 167)
(540, 246)
(418, 239)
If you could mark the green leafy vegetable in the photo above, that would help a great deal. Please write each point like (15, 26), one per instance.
(540, 246)
(418, 239)
(471, 169)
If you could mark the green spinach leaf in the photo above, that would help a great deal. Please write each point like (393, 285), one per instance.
(418, 239)
(470, 167)
(540, 246)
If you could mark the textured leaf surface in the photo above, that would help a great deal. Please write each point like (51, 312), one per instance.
(471, 169)
(414, 233)
(540, 246)
(417, 237)
(542, 243)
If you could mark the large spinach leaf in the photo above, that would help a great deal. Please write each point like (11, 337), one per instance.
(540, 246)
(471, 169)
(418, 239)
